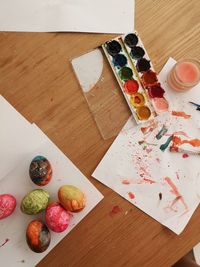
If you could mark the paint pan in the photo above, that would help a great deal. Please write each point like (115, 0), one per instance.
(128, 79)
(101, 91)
(147, 75)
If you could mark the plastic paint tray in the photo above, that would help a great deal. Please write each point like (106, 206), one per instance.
(102, 92)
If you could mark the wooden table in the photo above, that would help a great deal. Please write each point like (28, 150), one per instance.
(37, 78)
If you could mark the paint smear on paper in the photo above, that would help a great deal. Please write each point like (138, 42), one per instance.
(143, 142)
(160, 196)
(185, 155)
(177, 141)
(131, 195)
(149, 128)
(179, 133)
(6, 241)
(158, 160)
(148, 150)
(88, 69)
(174, 190)
(161, 133)
(177, 176)
(149, 181)
(181, 114)
(142, 168)
(126, 182)
(164, 146)
(115, 210)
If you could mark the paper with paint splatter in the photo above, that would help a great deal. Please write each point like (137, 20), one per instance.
(113, 16)
(140, 167)
(18, 183)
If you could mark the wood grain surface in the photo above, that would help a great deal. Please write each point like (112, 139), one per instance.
(36, 77)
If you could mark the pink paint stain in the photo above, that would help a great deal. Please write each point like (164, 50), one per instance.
(6, 241)
(126, 182)
(131, 195)
(158, 160)
(175, 191)
(149, 181)
(185, 155)
(148, 150)
(115, 210)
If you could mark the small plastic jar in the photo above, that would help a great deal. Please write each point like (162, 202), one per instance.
(184, 75)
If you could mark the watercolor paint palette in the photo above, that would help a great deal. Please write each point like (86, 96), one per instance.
(127, 55)
(145, 70)
(128, 79)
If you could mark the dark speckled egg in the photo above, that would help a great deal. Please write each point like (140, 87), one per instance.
(40, 171)
(38, 236)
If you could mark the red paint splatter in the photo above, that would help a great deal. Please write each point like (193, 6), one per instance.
(126, 182)
(115, 210)
(7, 239)
(185, 156)
(181, 114)
(175, 192)
(149, 181)
(131, 195)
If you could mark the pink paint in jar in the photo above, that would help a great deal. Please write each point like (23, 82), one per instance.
(184, 75)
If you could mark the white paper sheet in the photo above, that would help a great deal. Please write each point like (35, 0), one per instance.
(196, 251)
(113, 16)
(17, 137)
(162, 184)
(18, 183)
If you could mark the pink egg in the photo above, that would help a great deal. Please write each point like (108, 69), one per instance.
(7, 205)
(57, 218)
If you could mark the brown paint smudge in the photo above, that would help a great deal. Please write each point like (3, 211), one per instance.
(6, 241)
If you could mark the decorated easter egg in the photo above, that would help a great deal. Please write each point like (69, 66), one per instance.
(35, 202)
(40, 171)
(57, 218)
(38, 236)
(71, 198)
(7, 205)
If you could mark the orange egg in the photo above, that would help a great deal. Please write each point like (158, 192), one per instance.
(38, 236)
(71, 198)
